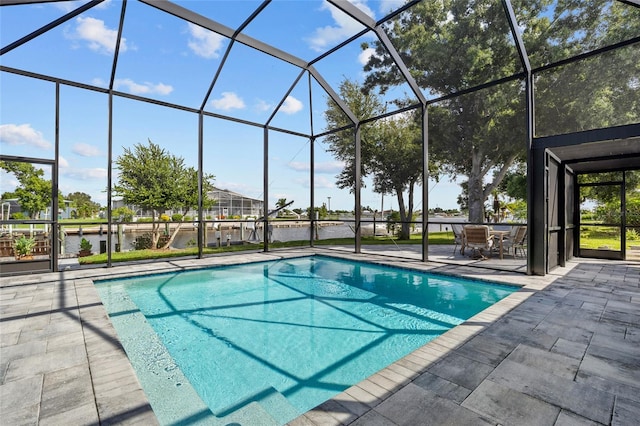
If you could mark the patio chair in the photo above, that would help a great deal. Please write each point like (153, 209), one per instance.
(477, 238)
(516, 241)
(458, 237)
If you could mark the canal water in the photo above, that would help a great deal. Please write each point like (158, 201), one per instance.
(280, 232)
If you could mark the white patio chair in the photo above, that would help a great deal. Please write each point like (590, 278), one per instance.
(458, 237)
(516, 241)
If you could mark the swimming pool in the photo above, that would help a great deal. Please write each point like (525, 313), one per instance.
(271, 340)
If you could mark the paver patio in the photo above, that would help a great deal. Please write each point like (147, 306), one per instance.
(564, 350)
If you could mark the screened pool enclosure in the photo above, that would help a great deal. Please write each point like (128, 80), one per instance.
(339, 123)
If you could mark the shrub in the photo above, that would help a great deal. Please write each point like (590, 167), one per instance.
(165, 217)
(586, 215)
(145, 241)
(85, 245)
(187, 218)
(632, 235)
(176, 217)
(23, 246)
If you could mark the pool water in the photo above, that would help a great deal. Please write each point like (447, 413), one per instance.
(268, 341)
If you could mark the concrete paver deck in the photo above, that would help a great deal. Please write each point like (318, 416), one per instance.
(563, 350)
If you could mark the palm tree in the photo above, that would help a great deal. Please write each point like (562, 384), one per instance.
(280, 204)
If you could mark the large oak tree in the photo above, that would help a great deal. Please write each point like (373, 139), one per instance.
(453, 45)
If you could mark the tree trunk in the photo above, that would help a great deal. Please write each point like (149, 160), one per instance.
(476, 189)
(405, 225)
(173, 236)
(155, 231)
(155, 235)
(478, 193)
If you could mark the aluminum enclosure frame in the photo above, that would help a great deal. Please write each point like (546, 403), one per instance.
(536, 182)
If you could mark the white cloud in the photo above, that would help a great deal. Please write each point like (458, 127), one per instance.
(299, 166)
(387, 6)
(263, 106)
(303, 182)
(331, 167)
(86, 150)
(323, 182)
(450, 17)
(291, 105)
(68, 6)
(99, 82)
(63, 162)
(98, 37)
(279, 195)
(344, 26)
(241, 188)
(229, 100)
(145, 88)
(204, 43)
(83, 174)
(319, 182)
(8, 182)
(23, 134)
(364, 56)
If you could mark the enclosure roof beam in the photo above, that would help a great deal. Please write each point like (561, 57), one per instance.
(513, 25)
(327, 87)
(216, 27)
(384, 39)
(47, 27)
(357, 14)
(635, 3)
(223, 30)
(354, 12)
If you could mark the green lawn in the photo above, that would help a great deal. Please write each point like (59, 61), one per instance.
(593, 237)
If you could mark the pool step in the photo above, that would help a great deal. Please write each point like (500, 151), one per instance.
(251, 414)
(269, 406)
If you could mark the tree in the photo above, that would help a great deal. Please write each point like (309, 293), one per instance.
(83, 205)
(453, 45)
(599, 92)
(34, 192)
(321, 211)
(607, 197)
(396, 165)
(122, 214)
(280, 205)
(391, 149)
(342, 144)
(153, 179)
(514, 183)
(606, 194)
(9, 195)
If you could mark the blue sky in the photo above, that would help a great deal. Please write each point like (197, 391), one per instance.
(167, 59)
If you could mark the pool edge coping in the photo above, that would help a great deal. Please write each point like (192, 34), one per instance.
(364, 396)
(94, 319)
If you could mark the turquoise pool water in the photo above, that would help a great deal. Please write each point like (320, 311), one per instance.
(262, 343)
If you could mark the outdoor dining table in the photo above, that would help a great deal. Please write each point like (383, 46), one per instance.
(499, 235)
